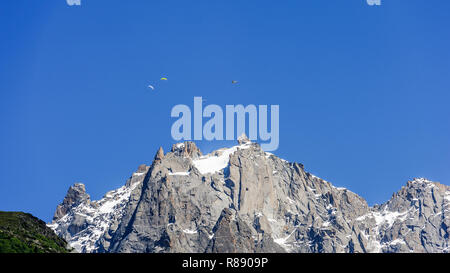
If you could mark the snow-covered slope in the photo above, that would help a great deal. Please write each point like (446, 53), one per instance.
(217, 160)
(86, 221)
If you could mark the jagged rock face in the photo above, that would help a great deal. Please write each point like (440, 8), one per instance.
(242, 199)
(159, 155)
(233, 235)
(186, 149)
(75, 196)
(86, 223)
(415, 219)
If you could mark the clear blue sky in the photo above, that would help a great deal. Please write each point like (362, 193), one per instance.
(363, 91)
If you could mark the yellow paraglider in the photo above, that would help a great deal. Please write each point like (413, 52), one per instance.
(164, 79)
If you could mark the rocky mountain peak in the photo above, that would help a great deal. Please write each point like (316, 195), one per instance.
(85, 223)
(186, 149)
(142, 168)
(76, 195)
(420, 188)
(423, 183)
(243, 139)
(242, 199)
(159, 155)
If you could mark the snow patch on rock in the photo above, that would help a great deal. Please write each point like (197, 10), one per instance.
(218, 160)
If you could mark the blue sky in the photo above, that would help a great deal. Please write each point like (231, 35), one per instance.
(363, 91)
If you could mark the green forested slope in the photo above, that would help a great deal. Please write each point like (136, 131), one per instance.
(23, 233)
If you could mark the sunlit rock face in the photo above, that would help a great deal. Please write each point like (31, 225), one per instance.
(242, 199)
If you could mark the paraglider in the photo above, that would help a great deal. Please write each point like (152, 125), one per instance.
(165, 79)
(161, 79)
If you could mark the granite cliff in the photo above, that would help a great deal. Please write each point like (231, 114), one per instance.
(242, 199)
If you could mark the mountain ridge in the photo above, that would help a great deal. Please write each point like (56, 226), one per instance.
(256, 201)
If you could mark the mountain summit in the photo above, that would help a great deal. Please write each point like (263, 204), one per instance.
(242, 199)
